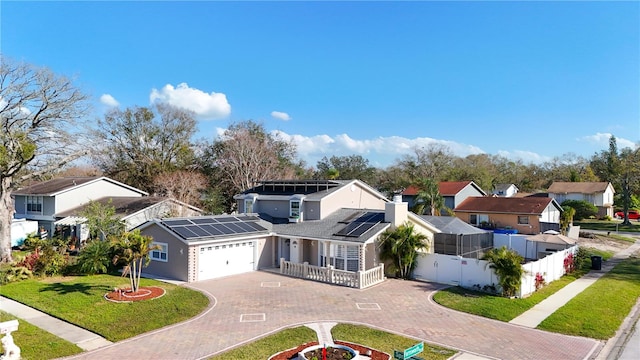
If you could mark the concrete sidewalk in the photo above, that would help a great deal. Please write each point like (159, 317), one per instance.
(85, 339)
(533, 317)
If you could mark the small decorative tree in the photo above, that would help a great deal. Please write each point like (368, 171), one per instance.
(507, 265)
(400, 246)
(132, 250)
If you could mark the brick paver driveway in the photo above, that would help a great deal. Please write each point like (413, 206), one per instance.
(251, 305)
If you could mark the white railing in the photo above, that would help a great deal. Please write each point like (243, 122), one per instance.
(359, 279)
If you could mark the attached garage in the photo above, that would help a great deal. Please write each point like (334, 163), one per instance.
(219, 260)
(208, 247)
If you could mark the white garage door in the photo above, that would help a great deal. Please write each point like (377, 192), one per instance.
(219, 260)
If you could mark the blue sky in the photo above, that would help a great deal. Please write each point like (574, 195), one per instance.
(528, 80)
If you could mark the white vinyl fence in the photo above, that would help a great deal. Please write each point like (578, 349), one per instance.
(474, 273)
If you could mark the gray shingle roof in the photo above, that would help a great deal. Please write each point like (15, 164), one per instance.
(451, 225)
(327, 227)
(54, 186)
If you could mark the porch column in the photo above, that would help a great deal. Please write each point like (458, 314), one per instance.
(362, 257)
(327, 253)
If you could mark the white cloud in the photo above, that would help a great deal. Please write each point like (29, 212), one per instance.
(109, 100)
(205, 106)
(281, 115)
(602, 140)
(380, 151)
(525, 156)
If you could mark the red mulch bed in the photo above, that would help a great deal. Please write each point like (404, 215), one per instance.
(293, 353)
(143, 293)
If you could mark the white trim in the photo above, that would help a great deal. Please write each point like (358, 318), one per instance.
(166, 252)
(144, 193)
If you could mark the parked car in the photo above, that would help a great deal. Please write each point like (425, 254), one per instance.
(633, 215)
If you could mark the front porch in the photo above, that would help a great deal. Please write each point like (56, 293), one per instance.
(358, 279)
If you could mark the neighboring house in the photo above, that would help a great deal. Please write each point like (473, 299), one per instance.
(45, 202)
(132, 211)
(599, 194)
(453, 192)
(505, 190)
(527, 215)
(319, 230)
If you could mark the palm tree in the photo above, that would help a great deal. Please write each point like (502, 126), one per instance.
(507, 265)
(428, 197)
(132, 250)
(400, 246)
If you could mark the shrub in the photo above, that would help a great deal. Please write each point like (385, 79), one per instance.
(584, 209)
(507, 265)
(539, 281)
(95, 257)
(50, 262)
(30, 261)
(14, 273)
(582, 258)
(569, 264)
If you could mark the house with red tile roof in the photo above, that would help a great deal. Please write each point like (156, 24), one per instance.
(453, 192)
(527, 215)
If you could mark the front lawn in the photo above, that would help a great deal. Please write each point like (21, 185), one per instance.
(386, 342)
(79, 300)
(37, 344)
(269, 345)
(599, 310)
(611, 226)
(496, 307)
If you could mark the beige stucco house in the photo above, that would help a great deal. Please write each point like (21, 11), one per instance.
(599, 194)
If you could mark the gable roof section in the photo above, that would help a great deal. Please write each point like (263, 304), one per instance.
(562, 187)
(452, 225)
(57, 186)
(217, 227)
(125, 206)
(504, 187)
(329, 227)
(313, 190)
(451, 188)
(506, 205)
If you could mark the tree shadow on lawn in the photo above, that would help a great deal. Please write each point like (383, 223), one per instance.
(66, 288)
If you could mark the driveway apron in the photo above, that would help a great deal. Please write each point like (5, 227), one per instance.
(249, 306)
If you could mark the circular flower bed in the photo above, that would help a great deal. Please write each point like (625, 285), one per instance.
(292, 354)
(143, 293)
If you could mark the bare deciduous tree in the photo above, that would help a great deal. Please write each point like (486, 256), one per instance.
(245, 154)
(184, 186)
(40, 115)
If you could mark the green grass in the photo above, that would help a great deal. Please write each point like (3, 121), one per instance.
(496, 307)
(598, 311)
(269, 345)
(606, 254)
(290, 338)
(386, 342)
(607, 225)
(79, 300)
(37, 344)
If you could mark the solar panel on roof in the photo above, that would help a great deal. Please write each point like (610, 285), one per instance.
(198, 231)
(171, 223)
(244, 227)
(184, 232)
(350, 218)
(250, 218)
(361, 225)
(234, 227)
(226, 219)
(256, 226)
(204, 220)
(211, 229)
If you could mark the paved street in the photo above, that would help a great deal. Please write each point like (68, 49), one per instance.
(245, 307)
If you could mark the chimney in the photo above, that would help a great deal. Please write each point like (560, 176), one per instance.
(396, 212)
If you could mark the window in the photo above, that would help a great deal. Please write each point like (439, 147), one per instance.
(248, 206)
(523, 220)
(161, 253)
(477, 219)
(294, 208)
(34, 204)
(337, 257)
